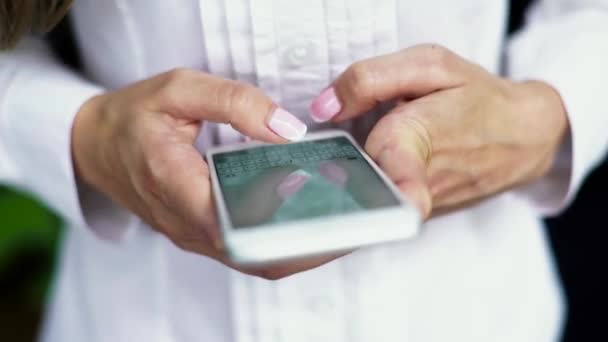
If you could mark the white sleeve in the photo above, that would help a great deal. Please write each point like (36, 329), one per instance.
(565, 43)
(39, 99)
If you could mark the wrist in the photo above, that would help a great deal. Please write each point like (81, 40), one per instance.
(551, 107)
(544, 103)
(86, 143)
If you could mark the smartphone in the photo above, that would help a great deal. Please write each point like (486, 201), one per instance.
(319, 195)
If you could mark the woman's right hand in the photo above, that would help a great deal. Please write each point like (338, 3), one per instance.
(136, 145)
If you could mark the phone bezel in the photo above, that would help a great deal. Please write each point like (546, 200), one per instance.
(266, 243)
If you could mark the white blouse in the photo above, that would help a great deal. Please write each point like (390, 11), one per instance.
(480, 274)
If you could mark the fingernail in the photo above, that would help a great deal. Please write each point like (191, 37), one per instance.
(287, 125)
(292, 184)
(325, 106)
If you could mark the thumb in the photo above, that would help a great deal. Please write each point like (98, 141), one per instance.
(410, 73)
(402, 148)
(418, 193)
(410, 178)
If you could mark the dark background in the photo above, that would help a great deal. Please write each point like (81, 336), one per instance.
(578, 238)
(29, 235)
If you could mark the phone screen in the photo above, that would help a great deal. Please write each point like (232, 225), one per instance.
(275, 184)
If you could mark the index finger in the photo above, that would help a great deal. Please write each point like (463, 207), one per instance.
(410, 73)
(194, 95)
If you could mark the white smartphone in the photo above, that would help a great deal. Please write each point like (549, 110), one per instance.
(322, 194)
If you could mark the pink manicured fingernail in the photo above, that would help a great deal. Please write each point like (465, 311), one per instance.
(292, 183)
(287, 125)
(325, 106)
(334, 173)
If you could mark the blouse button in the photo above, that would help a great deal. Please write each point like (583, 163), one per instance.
(299, 53)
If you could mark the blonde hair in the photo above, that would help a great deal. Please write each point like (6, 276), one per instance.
(19, 17)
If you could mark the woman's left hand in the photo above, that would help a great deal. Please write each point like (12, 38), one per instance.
(458, 134)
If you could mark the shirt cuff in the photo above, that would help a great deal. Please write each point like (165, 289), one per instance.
(576, 67)
(39, 109)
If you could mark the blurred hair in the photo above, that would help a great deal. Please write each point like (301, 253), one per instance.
(19, 17)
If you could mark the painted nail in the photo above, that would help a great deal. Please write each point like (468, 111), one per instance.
(325, 106)
(292, 184)
(287, 125)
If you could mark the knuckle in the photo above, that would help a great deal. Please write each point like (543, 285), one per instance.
(420, 136)
(397, 132)
(171, 84)
(234, 98)
(436, 57)
(361, 79)
(437, 53)
(176, 75)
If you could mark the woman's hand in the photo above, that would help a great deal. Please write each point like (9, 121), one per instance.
(136, 146)
(457, 134)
